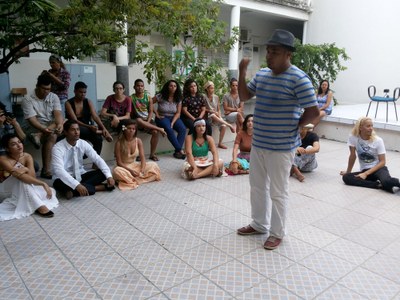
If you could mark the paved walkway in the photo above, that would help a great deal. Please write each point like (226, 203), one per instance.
(176, 239)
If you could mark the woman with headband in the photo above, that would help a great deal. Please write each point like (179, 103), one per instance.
(197, 146)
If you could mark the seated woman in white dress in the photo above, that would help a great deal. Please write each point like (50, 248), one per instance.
(129, 173)
(26, 194)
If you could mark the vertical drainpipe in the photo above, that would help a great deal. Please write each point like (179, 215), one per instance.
(234, 52)
(122, 64)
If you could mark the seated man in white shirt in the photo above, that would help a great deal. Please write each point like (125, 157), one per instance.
(71, 178)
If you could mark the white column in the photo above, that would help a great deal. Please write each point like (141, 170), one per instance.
(121, 56)
(305, 27)
(234, 52)
(122, 63)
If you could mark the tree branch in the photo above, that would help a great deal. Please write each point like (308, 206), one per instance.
(16, 11)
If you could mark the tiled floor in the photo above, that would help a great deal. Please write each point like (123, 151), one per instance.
(176, 239)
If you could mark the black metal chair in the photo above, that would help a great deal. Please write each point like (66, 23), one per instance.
(385, 98)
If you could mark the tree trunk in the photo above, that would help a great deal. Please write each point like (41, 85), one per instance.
(5, 90)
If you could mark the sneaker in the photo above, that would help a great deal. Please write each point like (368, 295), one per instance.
(272, 243)
(247, 230)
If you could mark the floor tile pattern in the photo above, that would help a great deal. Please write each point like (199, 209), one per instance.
(176, 239)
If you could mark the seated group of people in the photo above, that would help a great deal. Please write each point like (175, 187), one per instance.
(199, 143)
(175, 113)
(364, 144)
(64, 144)
(62, 158)
(27, 194)
(44, 119)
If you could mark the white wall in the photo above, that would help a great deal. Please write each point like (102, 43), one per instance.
(368, 30)
(25, 73)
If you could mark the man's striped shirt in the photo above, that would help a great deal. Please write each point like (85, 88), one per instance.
(279, 103)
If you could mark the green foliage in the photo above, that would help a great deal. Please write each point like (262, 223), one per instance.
(320, 61)
(76, 30)
(160, 66)
(194, 32)
(83, 26)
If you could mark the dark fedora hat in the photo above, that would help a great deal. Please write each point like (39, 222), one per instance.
(282, 38)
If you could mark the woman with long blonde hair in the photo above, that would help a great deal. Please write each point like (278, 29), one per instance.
(370, 150)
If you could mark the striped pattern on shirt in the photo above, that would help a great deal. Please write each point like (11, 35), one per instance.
(279, 103)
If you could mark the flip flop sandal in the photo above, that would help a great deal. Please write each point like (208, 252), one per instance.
(154, 158)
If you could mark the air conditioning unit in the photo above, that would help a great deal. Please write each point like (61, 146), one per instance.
(245, 35)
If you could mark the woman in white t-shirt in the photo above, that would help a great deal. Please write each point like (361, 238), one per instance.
(370, 150)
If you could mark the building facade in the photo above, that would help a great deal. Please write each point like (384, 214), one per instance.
(365, 28)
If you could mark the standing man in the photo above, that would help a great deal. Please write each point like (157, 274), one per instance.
(143, 113)
(282, 91)
(42, 111)
(71, 178)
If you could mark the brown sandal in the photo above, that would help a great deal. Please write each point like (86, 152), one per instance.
(154, 158)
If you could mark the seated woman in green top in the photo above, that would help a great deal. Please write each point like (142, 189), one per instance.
(197, 146)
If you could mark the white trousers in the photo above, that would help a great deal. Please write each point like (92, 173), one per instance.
(269, 195)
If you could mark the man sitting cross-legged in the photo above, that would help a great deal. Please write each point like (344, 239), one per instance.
(71, 178)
